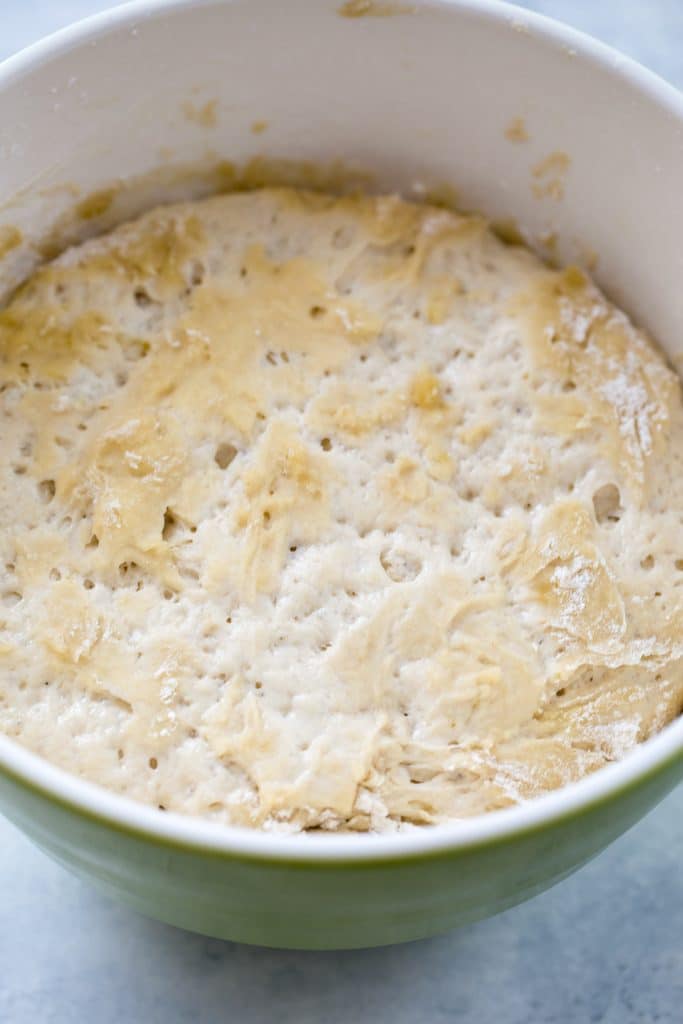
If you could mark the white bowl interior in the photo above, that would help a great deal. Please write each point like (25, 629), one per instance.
(420, 98)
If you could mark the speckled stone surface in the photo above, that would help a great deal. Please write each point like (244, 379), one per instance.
(605, 946)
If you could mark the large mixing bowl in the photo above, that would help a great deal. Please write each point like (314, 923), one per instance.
(526, 119)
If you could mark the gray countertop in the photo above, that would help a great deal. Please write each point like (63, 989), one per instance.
(604, 946)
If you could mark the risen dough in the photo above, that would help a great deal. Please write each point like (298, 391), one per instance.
(333, 513)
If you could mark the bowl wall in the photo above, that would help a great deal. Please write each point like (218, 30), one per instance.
(327, 903)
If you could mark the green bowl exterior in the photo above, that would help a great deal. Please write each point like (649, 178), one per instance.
(325, 904)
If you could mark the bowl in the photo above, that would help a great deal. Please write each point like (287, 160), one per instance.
(525, 119)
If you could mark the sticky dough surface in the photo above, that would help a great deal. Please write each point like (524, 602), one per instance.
(333, 513)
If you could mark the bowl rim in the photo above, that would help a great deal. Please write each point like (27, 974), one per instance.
(193, 834)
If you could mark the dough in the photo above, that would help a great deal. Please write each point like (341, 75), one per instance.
(333, 513)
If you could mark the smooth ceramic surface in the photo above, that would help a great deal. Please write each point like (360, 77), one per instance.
(257, 889)
(310, 899)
